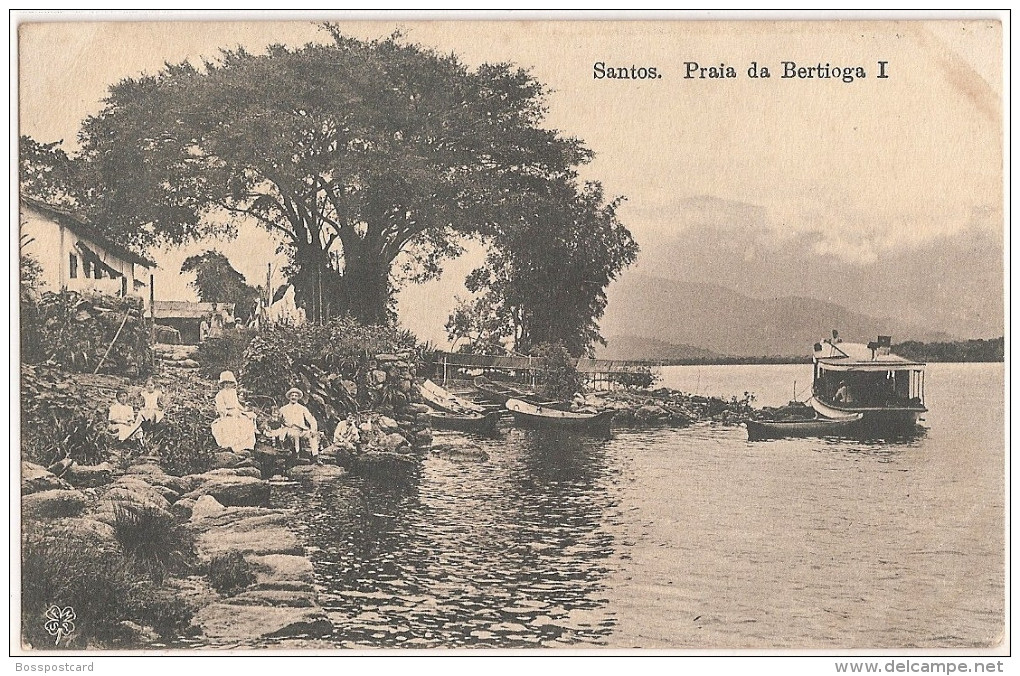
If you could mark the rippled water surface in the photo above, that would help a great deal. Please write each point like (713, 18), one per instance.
(691, 538)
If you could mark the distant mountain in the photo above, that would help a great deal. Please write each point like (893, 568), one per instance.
(950, 281)
(717, 319)
(638, 347)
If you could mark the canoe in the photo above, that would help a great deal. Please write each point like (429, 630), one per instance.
(482, 423)
(503, 392)
(758, 430)
(530, 415)
(442, 400)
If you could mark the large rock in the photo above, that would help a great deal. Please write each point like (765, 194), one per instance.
(88, 529)
(260, 541)
(230, 459)
(281, 568)
(275, 597)
(317, 472)
(36, 478)
(183, 508)
(231, 622)
(154, 474)
(52, 504)
(233, 471)
(153, 491)
(203, 507)
(233, 490)
(137, 496)
(89, 476)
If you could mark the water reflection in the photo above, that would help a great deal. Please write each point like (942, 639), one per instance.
(509, 552)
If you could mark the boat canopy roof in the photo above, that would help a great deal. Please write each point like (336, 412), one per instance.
(840, 356)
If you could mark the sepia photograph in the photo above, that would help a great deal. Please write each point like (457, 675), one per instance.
(520, 336)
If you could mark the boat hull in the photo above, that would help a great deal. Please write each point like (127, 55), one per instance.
(479, 423)
(442, 400)
(875, 422)
(759, 430)
(537, 417)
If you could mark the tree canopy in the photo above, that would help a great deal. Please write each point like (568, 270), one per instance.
(216, 281)
(545, 276)
(361, 155)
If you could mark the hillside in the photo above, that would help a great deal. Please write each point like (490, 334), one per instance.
(638, 347)
(717, 319)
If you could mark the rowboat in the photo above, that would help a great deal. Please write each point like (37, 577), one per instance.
(442, 400)
(758, 430)
(502, 392)
(530, 415)
(481, 423)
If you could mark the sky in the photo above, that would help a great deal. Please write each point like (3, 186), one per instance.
(858, 172)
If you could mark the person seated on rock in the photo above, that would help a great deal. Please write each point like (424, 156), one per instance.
(151, 413)
(235, 426)
(124, 424)
(346, 436)
(273, 429)
(299, 423)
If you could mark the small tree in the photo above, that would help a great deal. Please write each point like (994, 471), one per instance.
(560, 378)
(216, 281)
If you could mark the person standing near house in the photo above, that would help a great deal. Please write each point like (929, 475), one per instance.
(299, 423)
(235, 426)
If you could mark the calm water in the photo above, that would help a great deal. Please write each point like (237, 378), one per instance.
(690, 538)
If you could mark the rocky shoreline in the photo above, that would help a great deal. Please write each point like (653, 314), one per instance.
(225, 511)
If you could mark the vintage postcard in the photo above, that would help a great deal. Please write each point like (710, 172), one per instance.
(542, 335)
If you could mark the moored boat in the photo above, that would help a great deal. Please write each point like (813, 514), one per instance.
(758, 430)
(501, 392)
(482, 423)
(884, 389)
(530, 415)
(442, 400)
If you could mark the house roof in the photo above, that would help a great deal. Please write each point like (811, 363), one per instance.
(85, 230)
(183, 309)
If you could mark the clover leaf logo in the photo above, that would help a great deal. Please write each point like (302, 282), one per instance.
(60, 622)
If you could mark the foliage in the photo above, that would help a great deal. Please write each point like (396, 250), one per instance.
(183, 440)
(93, 577)
(49, 174)
(479, 325)
(225, 353)
(153, 541)
(546, 274)
(74, 331)
(979, 350)
(216, 281)
(559, 379)
(230, 573)
(57, 421)
(638, 378)
(319, 359)
(369, 158)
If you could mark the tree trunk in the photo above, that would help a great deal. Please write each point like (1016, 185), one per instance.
(367, 289)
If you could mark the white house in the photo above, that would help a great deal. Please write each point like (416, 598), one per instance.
(77, 257)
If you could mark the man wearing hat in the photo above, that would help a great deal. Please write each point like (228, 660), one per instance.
(299, 423)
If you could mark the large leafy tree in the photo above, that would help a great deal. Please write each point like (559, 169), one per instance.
(369, 159)
(546, 273)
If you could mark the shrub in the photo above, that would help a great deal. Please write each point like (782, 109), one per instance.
(94, 578)
(225, 353)
(230, 573)
(559, 379)
(640, 378)
(183, 440)
(318, 359)
(154, 543)
(74, 331)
